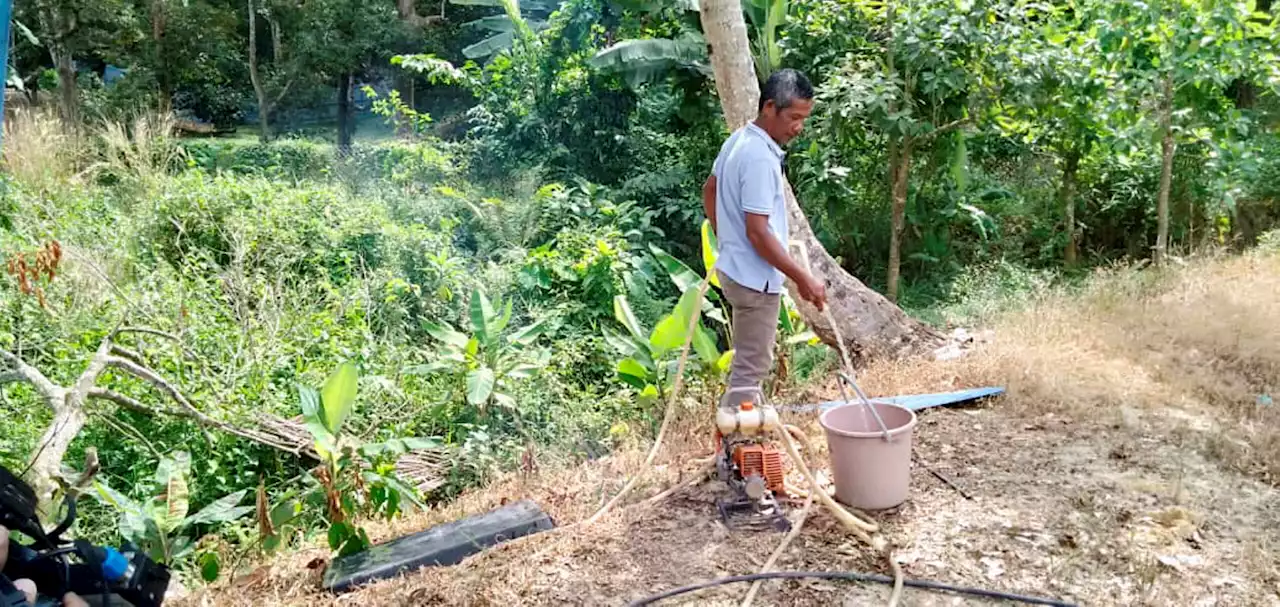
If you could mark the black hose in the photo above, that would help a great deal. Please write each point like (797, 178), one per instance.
(849, 575)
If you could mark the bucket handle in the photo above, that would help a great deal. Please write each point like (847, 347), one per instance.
(846, 378)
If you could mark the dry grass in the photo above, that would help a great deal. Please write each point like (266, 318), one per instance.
(38, 151)
(1202, 340)
(142, 150)
(1191, 348)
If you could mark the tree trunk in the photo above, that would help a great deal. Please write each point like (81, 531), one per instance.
(158, 21)
(264, 104)
(735, 75)
(70, 102)
(1067, 198)
(67, 422)
(900, 172)
(277, 41)
(345, 124)
(870, 325)
(1166, 174)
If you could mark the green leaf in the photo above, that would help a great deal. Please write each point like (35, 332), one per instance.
(338, 397)
(398, 446)
(313, 420)
(479, 385)
(171, 473)
(221, 510)
(710, 250)
(679, 273)
(784, 317)
(338, 534)
(522, 371)
(644, 60)
(800, 338)
(489, 46)
(209, 567)
(648, 395)
(622, 312)
(671, 330)
(669, 334)
(501, 323)
(504, 400)
(445, 333)
(529, 333)
(726, 360)
(623, 344)
(705, 345)
(133, 518)
(395, 484)
(481, 316)
(633, 373)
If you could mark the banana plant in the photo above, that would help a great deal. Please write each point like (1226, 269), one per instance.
(685, 278)
(355, 478)
(644, 60)
(767, 16)
(160, 525)
(490, 361)
(650, 359)
(522, 19)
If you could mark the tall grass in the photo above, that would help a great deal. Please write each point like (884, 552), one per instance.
(140, 151)
(38, 150)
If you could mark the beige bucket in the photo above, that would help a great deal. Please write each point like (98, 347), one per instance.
(870, 472)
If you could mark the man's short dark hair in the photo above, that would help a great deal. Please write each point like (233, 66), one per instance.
(784, 87)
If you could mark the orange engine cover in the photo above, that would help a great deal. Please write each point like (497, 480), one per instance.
(764, 461)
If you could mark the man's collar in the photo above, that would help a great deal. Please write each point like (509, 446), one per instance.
(773, 145)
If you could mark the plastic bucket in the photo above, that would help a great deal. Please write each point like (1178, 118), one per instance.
(870, 472)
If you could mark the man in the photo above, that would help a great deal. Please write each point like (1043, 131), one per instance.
(745, 202)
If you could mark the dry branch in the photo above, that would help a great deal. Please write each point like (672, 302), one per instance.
(21, 371)
(120, 399)
(425, 469)
(153, 378)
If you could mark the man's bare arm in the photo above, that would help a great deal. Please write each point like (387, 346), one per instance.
(709, 201)
(772, 251)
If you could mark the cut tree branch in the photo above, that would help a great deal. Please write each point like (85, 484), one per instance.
(124, 352)
(154, 379)
(20, 371)
(122, 400)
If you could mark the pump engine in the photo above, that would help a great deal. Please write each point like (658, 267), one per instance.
(749, 461)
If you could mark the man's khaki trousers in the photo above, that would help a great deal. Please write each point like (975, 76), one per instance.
(755, 325)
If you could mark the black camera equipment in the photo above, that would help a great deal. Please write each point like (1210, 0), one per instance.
(100, 575)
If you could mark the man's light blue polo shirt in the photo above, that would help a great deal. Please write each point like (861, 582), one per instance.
(748, 174)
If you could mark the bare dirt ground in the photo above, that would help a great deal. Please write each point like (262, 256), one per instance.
(1131, 462)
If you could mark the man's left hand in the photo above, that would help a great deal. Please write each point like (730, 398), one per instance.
(813, 291)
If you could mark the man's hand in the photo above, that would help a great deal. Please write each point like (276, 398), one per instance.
(812, 290)
(28, 587)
